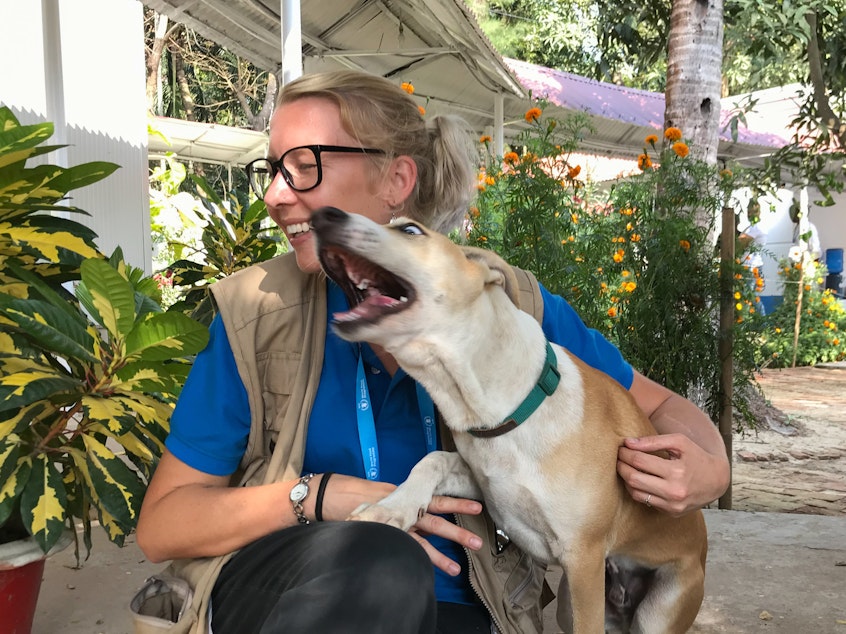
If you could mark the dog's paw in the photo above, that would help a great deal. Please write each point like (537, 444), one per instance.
(382, 515)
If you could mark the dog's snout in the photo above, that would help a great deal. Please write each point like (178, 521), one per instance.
(328, 216)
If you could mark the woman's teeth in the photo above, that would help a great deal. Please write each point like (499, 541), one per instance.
(297, 229)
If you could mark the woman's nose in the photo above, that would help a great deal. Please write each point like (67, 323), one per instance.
(279, 192)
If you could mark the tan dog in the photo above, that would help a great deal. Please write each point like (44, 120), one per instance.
(447, 315)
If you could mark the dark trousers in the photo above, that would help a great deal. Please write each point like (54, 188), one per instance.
(328, 577)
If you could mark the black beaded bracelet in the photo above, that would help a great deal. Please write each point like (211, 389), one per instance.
(318, 502)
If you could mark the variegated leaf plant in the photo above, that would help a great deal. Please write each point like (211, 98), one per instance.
(87, 378)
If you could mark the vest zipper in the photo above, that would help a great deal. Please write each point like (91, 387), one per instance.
(475, 589)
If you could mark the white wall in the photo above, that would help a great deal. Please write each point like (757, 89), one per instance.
(775, 221)
(80, 65)
(831, 224)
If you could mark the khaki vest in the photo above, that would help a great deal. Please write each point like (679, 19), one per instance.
(275, 319)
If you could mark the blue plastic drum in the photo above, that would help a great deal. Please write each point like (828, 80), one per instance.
(834, 260)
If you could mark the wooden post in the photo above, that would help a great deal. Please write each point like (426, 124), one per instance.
(725, 346)
(797, 323)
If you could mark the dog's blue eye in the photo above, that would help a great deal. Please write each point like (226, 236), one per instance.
(411, 229)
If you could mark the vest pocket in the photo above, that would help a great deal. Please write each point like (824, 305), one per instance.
(278, 376)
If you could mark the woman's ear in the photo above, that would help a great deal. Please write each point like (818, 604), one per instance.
(400, 180)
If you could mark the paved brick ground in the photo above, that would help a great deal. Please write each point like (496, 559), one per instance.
(797, 464)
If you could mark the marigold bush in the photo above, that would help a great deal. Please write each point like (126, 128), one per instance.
(822, 321)
(630, 259)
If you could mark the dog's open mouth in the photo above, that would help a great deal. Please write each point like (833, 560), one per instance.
(373, 292)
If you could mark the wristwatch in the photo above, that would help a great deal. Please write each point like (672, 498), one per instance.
(298, 494)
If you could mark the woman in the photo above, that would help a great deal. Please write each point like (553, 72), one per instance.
(271, 404)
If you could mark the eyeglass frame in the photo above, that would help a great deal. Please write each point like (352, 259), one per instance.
(316, 149)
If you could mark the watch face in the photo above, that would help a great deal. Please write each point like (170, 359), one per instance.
(299, 492)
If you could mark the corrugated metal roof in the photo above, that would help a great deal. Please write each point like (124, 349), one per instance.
(435, 44)
(207, 142)
(624, 116)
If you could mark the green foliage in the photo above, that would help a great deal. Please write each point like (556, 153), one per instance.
(234, 236)
(636, 262)
(87, 379)
(822, 320)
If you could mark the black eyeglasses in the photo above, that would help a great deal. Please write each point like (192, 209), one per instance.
(300, 166)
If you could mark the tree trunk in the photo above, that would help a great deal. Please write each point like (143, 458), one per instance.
(694, 73)
(181, 79)
(262, 119)
(154, 64)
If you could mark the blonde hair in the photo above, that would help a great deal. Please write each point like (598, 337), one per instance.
(380, 114)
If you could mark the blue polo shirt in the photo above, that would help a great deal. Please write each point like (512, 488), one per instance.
(211, 422)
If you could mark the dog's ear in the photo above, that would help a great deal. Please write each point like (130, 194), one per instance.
(499, 271)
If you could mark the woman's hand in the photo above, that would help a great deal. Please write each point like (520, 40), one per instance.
(692, 471)
(344, 494)
(686, 479)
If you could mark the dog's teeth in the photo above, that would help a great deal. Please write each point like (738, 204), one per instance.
(403, 298)
(363, 285)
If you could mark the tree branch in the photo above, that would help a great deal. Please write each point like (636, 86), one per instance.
(828, 118)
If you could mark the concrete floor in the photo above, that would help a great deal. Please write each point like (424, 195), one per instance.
(767, 572)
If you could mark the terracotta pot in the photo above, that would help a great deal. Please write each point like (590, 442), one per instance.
(21, 569)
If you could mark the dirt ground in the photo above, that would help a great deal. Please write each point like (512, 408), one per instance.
(796, 461)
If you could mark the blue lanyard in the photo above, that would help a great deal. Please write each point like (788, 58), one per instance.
(367, 425)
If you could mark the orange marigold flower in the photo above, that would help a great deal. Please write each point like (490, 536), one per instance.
(672, 134)
(574, 171)
(533, 114)
(644, 162)
(618, 256)
(511, 158)
(408, 87)
(681, 149)
(684, 244)
(726, 173)
(485, 138)
(652, 139)
(836, 342)
(421, 110)
(489, 180)
(625, 273)
(630, 286)
(612, 312)
(635, 237)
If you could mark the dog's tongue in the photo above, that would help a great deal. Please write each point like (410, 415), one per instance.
(369, 309)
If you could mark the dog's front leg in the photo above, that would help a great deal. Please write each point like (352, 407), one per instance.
(438, 473)
(582, 609)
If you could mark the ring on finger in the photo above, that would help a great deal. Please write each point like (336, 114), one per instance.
(646, 501)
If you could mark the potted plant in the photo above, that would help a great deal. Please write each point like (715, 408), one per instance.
(89, 365)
